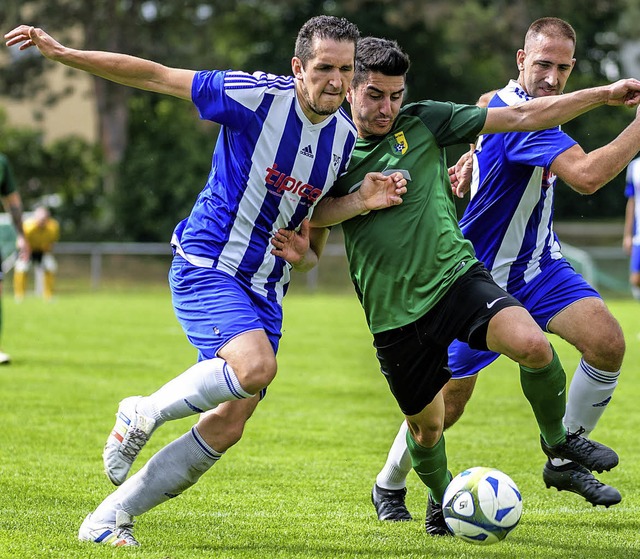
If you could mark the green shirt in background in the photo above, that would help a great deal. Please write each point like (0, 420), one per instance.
(7, 181)
(403, 259)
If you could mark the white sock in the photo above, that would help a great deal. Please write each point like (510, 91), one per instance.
(200, 388)
(170, 472)
(635, 291)
(589, 394)
(395, 471)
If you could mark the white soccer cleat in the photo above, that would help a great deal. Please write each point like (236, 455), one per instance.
(130, 433)
(4, 358)
(119, 534)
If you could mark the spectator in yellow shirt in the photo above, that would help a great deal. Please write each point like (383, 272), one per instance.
(41, 232)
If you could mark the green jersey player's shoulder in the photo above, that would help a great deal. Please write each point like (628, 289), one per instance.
(438, 108)
(450, 123)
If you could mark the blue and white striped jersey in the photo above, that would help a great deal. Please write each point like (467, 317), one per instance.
(509, 218)
(270, 166)
(633, 190)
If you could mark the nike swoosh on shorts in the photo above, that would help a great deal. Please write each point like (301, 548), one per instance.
(489, 305)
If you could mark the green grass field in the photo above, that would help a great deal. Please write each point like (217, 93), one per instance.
(298, 484)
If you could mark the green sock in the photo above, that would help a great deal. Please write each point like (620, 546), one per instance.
(546, 391)
(431, 466)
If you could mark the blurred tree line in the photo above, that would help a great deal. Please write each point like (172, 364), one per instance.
(154, 154)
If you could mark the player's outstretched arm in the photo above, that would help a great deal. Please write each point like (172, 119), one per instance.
(586, 173)
(119, 68)
(547, 112)
(377, 192)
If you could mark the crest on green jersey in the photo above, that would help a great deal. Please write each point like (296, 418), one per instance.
(399, 143)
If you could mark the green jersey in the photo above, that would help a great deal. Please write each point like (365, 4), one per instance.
(403, 259)
(7, 182)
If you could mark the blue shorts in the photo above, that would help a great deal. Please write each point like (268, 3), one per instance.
(634, 266)
(214, 307)
(552, 291)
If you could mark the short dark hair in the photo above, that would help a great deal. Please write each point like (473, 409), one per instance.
(323, 27)
(550, 27)
(374, 54)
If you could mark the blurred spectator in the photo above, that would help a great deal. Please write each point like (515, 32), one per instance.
(41, 232)
(631, 239)
(13, 205)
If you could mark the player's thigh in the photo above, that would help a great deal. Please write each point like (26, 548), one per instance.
(457, 392)
(223, 318)
(590, 327)
(514, 333)
(414, 366)
(460, 389)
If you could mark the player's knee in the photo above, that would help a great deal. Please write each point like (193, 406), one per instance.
(533, 350)
(616, 347)
(607, 352)
(257, 373)
(426, 433)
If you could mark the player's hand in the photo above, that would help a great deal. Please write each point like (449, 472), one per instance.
(27, 36)
(460, 175)
(379, 191)
(292, 245)
(624, 92)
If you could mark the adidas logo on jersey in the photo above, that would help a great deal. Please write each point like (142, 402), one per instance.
(307, 151)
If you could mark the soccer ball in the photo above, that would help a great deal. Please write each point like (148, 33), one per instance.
(482, 505)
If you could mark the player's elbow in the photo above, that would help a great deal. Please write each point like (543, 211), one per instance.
(586, 184)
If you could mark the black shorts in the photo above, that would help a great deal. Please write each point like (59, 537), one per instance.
(413, 358)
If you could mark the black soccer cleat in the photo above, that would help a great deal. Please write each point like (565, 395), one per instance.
(577, 479)
(389, 504)
(434, 522)
(592, 455)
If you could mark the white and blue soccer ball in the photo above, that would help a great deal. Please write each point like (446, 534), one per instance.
(482, 505)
